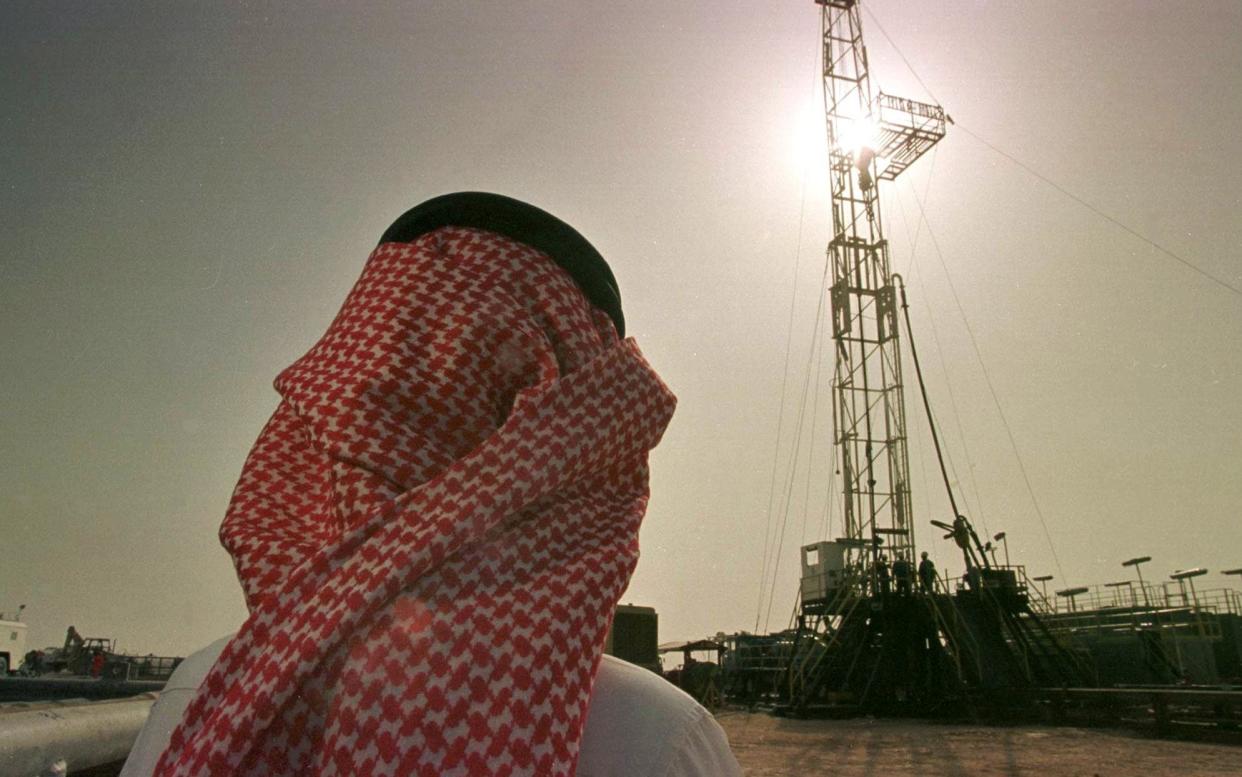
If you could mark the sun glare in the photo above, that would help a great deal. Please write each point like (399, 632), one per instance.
(808, 149)
(857, 134)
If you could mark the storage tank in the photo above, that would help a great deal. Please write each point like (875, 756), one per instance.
(634, 636)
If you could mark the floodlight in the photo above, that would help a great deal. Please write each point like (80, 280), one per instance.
(1183, 574)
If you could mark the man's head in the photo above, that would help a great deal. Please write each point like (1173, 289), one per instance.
(525, 224)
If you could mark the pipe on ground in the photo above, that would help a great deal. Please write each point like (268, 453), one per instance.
(58, 739)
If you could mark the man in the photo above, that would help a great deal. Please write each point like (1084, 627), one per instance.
(927, 573)
(903, 575)
(882, 574)
(434, 527)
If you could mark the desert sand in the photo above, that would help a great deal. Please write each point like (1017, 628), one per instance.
(768, 746)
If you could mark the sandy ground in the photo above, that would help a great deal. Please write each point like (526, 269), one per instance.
(767, 746)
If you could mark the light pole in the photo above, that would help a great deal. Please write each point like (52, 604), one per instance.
(1137, 563)
(1187, 576)
(1043, 587)
(1000, 537)
(1234, 594)
(1128, 584)
(1070, 593)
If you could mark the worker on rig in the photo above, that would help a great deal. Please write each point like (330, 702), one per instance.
(435, 526)
(883, 575)
(903, 575)
(927, 573)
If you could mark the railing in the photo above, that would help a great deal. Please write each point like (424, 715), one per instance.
(913, 107)
(151, 667)
(807, 665)
(1023, 583)
(954, 634)
(1147, 596)
(1184, 620)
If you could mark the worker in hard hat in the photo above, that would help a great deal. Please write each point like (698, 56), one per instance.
(927, 573)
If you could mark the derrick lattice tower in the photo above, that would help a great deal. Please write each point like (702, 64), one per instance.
(870, 139)
(874, 630)
(853, 638)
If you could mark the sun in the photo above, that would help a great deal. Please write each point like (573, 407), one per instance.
(807, 152)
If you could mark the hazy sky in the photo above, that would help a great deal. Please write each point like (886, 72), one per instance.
(187, 192)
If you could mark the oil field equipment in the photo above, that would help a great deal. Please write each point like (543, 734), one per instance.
(872, 633)
(1145, 633)
(633, 636)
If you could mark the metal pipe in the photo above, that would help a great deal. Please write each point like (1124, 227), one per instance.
(74, 737)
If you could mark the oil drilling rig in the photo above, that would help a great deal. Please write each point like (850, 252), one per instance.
(872, 632)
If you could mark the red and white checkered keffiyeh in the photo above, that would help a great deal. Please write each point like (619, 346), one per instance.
(433, 528)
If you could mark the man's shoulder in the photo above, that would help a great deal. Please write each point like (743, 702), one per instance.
(637, 723)
(623, 689)
(640, 724)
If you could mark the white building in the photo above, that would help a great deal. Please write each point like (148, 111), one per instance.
(12, 645)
